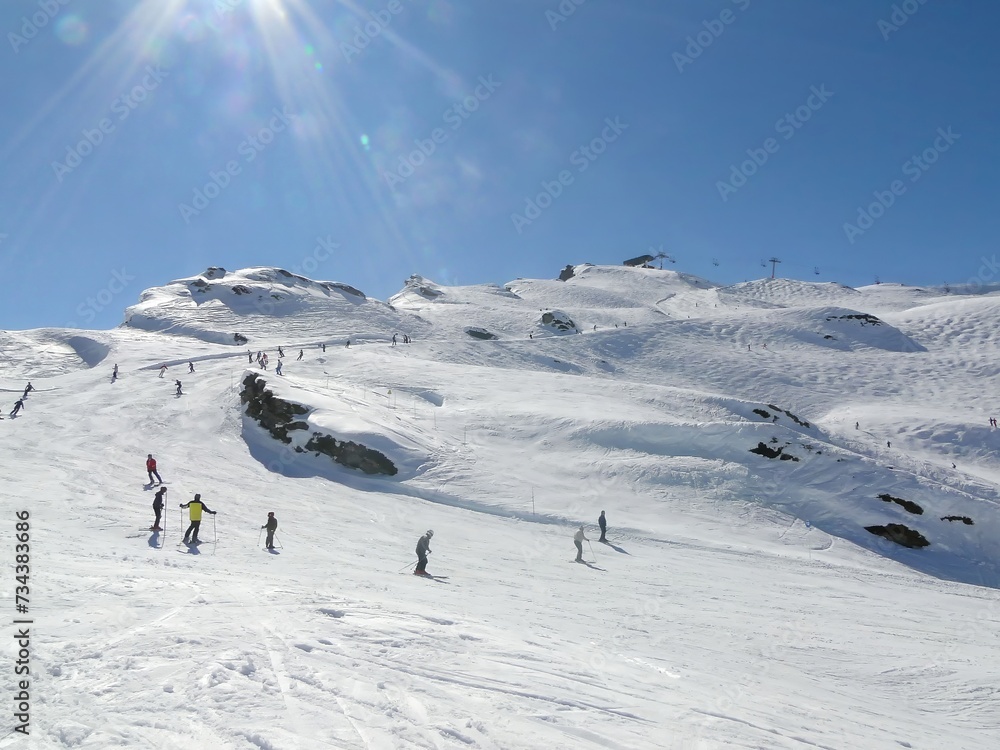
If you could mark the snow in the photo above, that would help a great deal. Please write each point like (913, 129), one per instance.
(740, 604)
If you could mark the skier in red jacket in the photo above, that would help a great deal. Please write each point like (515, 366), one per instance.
(151, 468)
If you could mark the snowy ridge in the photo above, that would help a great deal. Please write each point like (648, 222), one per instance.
(741, 603)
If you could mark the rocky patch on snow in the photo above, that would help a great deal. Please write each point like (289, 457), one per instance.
(279, 417)
(900, 534)
(907, 505)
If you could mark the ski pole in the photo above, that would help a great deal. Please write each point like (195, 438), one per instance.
(215, 530)
(280, 545)
(592, 550)
(260, 535)
(410, 565)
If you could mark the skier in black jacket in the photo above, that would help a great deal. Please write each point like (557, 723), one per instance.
(158, 508)
(603, 523)
(271, 526)
(423, 549)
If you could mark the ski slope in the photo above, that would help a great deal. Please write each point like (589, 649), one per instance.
(740, 604)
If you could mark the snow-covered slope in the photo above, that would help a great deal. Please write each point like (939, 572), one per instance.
(741, 602)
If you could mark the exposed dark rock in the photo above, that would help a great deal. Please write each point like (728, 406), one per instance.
(352, 455)
(278, 417)
(558, 320)
(900, 534)
(337, 286)
(763, 450)
(828, 336)
(964, 519)
(865, 318)
(215, 272)
(201, 285)
(481, 333)
(799, 422)
(906, 504)
(273, 414)
(567, 273)
(239, 338)
(240, 289)
(761, 412)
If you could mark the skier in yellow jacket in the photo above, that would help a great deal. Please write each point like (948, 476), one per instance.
(196, 507)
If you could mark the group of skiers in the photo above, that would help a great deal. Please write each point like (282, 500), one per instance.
(197, 507)
(19, 404)
(195, 510)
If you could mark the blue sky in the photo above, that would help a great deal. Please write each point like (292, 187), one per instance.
(475, 142)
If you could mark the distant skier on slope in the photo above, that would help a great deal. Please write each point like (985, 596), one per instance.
(249, 357)
(323, 346)
(423, 549)
(158, 508)
(281, 352)
(18, 405)
(393, 339)
(578, 539)
(301, 355)
(178, 384)
(277, 369)
(190, 367)
(151, 468)
(271, 526)
(194, 514)
(603, 523)
(114, 374)
(163, 369)
(348, 344)
(28, 389)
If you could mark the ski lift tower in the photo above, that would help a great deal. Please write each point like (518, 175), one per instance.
(774, 263)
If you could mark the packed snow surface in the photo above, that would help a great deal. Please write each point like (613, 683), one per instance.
(739, 602)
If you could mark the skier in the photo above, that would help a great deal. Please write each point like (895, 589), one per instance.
(888, 443)
(301, 355)
(28, 389)
(393, 339)
(190, 367)
(18, 405)
(151, 468)
(277, 369)
(281, 352)
(158, 508)
(271, 526)
(163, 369)
(114, 374)
(578, 539)
(178, 383)
(324, 348)
(857, 425)
(603, 523)
(348, 344)
(423, 549)
(249, 357)
(196, 507)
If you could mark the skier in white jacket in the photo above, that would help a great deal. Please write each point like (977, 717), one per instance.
(578, 539)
